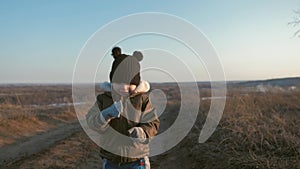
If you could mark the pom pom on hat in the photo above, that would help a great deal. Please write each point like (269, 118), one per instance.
(138, 55)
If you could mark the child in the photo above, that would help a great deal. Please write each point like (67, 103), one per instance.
(124, 108)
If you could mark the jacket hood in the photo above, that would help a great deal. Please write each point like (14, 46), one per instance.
(143, 87)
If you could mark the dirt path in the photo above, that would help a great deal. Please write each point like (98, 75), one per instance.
(24, 148)
(68, 146)
(75, 151)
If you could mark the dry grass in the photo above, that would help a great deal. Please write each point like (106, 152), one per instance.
(18, 122)
(25, 110)
(256, 131)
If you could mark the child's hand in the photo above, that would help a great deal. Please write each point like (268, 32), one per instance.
(138, 134)
(113, 111)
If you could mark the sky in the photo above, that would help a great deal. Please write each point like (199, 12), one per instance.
(41, 40)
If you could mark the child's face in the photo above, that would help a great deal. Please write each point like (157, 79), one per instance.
(123, 89)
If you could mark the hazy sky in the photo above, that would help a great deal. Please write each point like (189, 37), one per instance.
(40, 40)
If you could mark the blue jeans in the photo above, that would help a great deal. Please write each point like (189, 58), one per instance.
(133, 165)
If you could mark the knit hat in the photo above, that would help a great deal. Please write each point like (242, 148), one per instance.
(126, 69)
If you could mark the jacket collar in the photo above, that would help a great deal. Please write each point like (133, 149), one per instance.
(143, 87)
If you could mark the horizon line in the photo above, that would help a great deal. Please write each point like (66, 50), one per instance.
(159, 82)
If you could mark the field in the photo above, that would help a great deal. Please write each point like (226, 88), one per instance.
(258, 129)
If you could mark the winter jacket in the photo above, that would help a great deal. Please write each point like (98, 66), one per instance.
(140, 114)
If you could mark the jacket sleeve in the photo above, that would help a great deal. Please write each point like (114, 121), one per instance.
(94, 118)
(149, 122)
(113, 68)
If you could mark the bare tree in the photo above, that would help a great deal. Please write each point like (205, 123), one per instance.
(296, 22)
